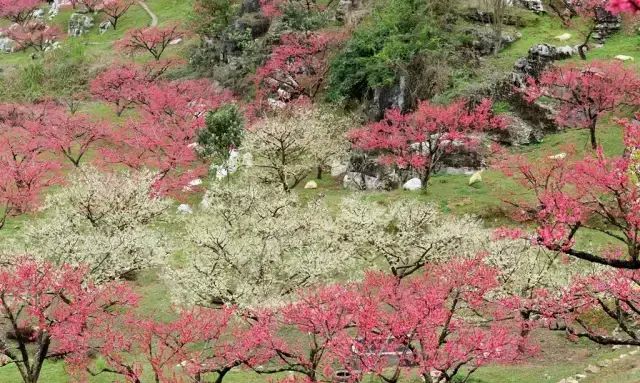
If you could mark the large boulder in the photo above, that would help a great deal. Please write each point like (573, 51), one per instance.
(7, 45)
(606, 24)
(361, 181)
(79, 24)
(532, 5)
(250, 6)
(393, 96)
(539, 58)
(413, 184)
(484, 40)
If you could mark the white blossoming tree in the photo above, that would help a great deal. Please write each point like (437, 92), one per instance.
(403, 236)
(287, 147)
(255, 244)
(105, 220)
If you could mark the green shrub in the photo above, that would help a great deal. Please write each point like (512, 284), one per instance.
(223, 131)
(396, 32)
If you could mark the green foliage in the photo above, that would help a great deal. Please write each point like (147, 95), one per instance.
(211, 17)
(62, 74)
(223, 131)
(397, 32)
(300, 18)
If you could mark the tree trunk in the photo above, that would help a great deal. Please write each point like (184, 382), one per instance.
(592, 133)
(319, 172)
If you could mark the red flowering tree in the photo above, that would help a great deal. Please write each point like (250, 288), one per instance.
(440, 323)
(33, 34)
(124, 85)
(199, 344)
(90, 6)
(585, 93)
(619, 6)
(297, 66)
(70, 135)
(611, 293)
(49, 312)
(420, 140)
(598, 193)
(115, 9)
(164, 139)
(319, 321)
(18, 11)
(24, 169)
(152, 40)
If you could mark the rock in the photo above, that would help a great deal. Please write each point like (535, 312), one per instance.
(387, 97)
(338, 168)
(633, 352)
(533, 5)
(484, 40)
(539, 58)
(311, 185)
(604, 363)
(413, 184)
(622, 356)
(185, 209)
(571, 380)
(606, 24)
(257, 24)
(38, 14)
(520, 132)
(579, 376)
(559, 156)
(476, 177)
(7, 45)
(175, 41)
(616, 347)
(592, 369)
(105, 26)
(233, 161)
(361, 181)
(195, 182)
(624, 58)
(79, 24)
(563, 37)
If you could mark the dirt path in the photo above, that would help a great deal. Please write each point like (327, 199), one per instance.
(154, 18)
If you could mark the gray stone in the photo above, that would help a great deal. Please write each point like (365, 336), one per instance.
(457, 171)
(7, 45)
(484, 41)
(533, 5)
(79, 24)
(338, 168)
(579, 376)
(413, 184)
(604, 363)
(361, 181)
(250, 6)
(185, 209)
(105, 26)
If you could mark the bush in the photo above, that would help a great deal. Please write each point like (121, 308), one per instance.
(223, 131)
(396, 33)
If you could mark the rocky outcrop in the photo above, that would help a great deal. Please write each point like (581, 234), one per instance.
(7, 45)
(539, 58)
(79, 24)
(532, 5)
(606, 24)
(383, 98)
(484, 40)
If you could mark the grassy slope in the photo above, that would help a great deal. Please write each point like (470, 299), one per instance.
(451, 193)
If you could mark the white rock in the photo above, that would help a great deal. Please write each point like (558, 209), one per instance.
(563, 37)
(559, 156)
(624, 58)
(311, 185)
(195, 182)
(579, 376)
(476, 177)
(338, 168)
(184, 209)
(175, 41)
(413, 184)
